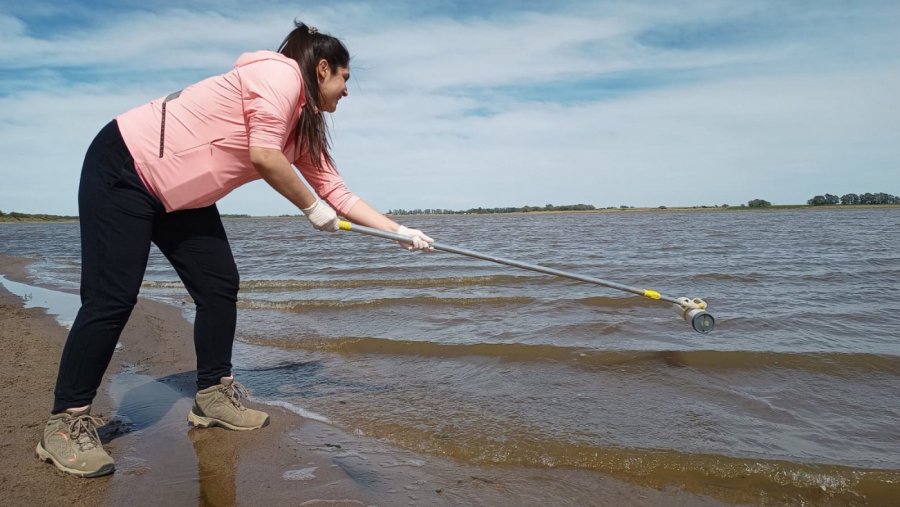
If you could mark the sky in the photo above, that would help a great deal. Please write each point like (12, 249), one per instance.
(462, 104)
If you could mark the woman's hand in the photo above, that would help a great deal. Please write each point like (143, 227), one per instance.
(322, 217)
(419, 240)
(363, 214)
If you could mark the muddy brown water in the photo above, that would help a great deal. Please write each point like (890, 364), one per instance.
(793, 398)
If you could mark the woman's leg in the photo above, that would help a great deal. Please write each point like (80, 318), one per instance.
(116, 217)
(195, 243)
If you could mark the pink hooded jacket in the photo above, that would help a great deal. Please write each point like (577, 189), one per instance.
(191, 148)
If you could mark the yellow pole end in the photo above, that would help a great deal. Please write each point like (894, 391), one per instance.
(652, 294)
(344, 225)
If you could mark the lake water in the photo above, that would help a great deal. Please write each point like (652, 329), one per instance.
(794, 397)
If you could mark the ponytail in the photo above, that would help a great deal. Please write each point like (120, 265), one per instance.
(307, 47)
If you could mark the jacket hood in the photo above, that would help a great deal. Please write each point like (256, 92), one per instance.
(258, 56)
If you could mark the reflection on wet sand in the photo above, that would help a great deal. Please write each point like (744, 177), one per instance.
(216, 465)
(151, 415)
(148, 439)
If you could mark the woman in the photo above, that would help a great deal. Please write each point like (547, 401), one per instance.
(153, 175)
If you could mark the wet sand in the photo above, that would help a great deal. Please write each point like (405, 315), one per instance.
(146, 395)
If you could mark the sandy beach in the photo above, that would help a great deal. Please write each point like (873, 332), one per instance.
(146, 395)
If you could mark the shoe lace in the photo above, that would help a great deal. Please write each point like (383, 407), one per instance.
(235, 392)
(84, 431)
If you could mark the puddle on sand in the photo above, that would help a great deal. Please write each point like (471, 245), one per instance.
(149, 440)
(62, 305)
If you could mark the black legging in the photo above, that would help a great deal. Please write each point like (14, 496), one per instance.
(119, 219)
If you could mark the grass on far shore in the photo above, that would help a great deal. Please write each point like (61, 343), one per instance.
(24, 217)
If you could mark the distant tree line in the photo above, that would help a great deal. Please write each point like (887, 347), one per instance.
(484, 211)
(21, 217)
(850, 199)
(759, 203)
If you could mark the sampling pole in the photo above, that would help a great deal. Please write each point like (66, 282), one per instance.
(691, 310)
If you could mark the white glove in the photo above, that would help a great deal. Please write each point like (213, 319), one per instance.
(321, 217)
(419, 240)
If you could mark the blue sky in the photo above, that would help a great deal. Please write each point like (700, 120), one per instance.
(466, 104)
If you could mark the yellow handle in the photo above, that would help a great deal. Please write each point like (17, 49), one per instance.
(344, 225)
(652, 294)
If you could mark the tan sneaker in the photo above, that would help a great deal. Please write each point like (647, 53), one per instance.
(221, 406)
(70, 442)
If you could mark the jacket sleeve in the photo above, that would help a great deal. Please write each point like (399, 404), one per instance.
(270, 91)
(327, 183)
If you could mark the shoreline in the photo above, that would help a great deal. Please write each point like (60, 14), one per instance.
(691, 209)
(784, 207)
(146, 393)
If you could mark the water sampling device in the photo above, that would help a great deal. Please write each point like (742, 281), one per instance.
(692, 310)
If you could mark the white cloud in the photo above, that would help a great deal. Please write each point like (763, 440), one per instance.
(778, 119)
(711, 144)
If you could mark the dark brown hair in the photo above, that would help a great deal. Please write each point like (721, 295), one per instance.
(307, 47)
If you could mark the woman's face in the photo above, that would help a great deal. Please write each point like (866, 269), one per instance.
(332, 85)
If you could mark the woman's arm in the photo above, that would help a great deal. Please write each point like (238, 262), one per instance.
(274, 167)
(330, 186)
(363, 214)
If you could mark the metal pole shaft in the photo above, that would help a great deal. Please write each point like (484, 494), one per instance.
(348, 226)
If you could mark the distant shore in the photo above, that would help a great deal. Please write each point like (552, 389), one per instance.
(662, 210)
(50, 218)
(53, 218)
